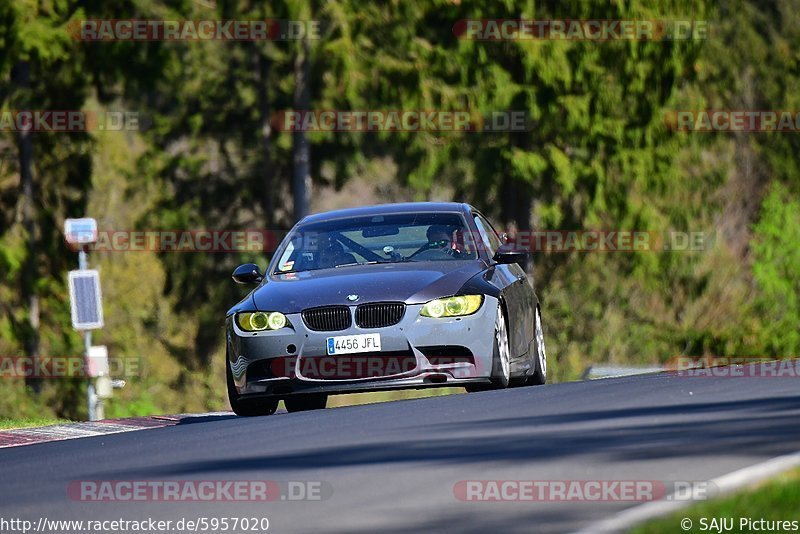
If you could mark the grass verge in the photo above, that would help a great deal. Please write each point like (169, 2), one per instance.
(774, 500)
(10, 424)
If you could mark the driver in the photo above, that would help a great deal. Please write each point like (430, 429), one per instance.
(440, 239)
(438, 236)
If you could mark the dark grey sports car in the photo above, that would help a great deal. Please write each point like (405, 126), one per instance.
(395, 296)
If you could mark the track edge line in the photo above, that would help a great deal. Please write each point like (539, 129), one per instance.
(727, 484)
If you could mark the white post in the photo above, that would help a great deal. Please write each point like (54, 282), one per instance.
(94, 404)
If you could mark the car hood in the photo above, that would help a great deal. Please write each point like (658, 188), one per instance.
(412, 283)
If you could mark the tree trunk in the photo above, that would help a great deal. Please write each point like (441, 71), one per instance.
(517, 201)
(28, 286)
(267, 172)
(300, 149)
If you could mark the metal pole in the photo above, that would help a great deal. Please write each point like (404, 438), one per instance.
(91, 397)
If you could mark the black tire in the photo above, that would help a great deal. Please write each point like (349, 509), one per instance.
(303, 403)
(500, 378)
(539, 375)
(247, 407)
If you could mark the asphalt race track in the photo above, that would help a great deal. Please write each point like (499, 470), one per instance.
(392, 467)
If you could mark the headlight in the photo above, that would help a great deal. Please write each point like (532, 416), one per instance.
(257, 321)
(452, 306)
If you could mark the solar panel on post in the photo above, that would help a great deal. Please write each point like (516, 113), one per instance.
(85, 299)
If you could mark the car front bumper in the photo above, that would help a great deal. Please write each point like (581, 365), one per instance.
(278, 363)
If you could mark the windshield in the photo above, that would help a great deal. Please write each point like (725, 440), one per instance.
(406, 237)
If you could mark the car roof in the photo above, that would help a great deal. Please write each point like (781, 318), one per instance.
(386, 209)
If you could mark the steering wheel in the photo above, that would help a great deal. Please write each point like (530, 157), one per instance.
(431, 246)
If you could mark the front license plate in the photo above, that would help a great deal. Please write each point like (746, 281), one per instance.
(354, 344)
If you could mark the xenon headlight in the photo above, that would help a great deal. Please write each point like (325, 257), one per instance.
(452, 306)
(257, 321)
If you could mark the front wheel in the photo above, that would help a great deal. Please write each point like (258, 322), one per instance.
(539, 375)
(247, 407)
(501, 358)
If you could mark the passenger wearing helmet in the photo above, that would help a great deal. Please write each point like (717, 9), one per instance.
(331, 253)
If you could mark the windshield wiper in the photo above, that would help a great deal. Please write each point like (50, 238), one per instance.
(373, 262)
(351, 264)
(362, 263)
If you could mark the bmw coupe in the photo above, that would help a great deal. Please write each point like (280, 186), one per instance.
(395, 296)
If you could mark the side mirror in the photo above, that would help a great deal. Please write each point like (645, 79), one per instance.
(510, 256)
(248, 273)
